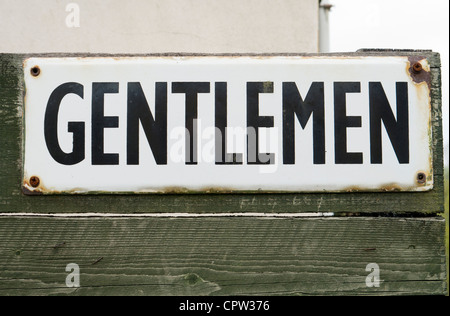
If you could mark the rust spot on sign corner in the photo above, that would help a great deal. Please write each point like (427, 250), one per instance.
(424, 179)
(27, 191)
(417, 67)
(34, 181)
(35, 71)
(32, 186)
(421, 178)
(417, 70)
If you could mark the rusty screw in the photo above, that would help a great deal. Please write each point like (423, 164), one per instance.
(34, 181)
(35, 71)
(421, 178)
(417, 67)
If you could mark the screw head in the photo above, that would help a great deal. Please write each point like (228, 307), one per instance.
(34, 181)
(421, 178)
(417, 67)
(35, 71)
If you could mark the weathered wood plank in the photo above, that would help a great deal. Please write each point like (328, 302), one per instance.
(12, 199)
(222, 256)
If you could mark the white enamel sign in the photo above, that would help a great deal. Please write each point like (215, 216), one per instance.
(226, 124)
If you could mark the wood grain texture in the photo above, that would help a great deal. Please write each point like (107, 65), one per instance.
(222, 256)
(12, 199)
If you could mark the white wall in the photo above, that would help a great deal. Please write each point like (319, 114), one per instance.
(155, 26)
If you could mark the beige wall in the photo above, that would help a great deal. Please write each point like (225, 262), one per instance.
(152, 26)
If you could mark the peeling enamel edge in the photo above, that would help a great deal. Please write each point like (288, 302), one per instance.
(170, 215)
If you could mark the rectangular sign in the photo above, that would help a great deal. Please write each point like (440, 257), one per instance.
(227, 124)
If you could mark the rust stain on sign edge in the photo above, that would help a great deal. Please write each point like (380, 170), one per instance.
(419, 70)
(422, 75)
(27, 189)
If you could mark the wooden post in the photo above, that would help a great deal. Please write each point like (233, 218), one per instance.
(401, 232)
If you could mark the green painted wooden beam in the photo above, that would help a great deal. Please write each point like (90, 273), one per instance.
(222, 256)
